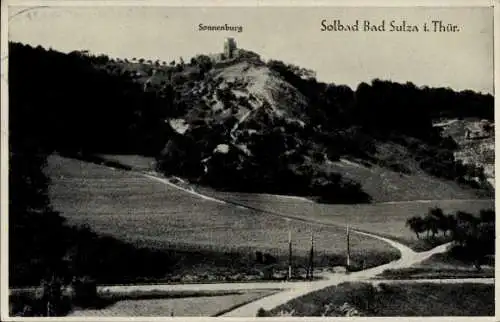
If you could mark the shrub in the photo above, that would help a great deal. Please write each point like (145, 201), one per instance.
(262, 313)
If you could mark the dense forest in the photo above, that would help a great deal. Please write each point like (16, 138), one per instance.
(74, 107)
(61, 103)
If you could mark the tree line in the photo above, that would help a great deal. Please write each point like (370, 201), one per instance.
(61, 103)
(473, 236)
(73, 107)
(351, 122)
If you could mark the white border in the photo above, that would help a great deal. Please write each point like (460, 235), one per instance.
(261, 3)
(4, 172)
(208, 3)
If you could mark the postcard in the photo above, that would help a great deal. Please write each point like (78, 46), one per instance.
(257, 159)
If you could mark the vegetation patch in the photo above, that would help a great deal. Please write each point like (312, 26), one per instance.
(441, 266)
(473, 237)
(364, 299)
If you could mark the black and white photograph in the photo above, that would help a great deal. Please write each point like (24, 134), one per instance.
(248, 161)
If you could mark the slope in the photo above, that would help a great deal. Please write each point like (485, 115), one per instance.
(476, 142)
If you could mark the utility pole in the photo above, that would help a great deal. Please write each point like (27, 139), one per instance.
(348, 248)
(289, 253)
(311, 257)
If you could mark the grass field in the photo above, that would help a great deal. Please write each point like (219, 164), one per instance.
(386, 219)
(440, 266)
(137, 209)
(394, 300)
(183, 306)
(385, 185)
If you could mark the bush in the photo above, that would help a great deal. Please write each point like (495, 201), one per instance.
(262, 313)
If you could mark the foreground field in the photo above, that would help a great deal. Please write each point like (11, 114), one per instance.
(184, 306)
(440, 266)
(395, 299)
(149, 213)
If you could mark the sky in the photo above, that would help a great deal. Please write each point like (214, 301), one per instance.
(460, 60)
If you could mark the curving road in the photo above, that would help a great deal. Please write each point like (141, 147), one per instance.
(408, 258)
(293, 290)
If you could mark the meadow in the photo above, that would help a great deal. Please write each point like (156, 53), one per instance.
(385, 218)
(440, 266)
(400, 299)
(148, 213)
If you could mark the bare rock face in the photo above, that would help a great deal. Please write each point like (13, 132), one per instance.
(476, 143)
(238, 99)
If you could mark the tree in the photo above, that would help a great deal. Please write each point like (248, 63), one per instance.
(417, 225)
(35, 229)
(474, 236)
(204, 62)
(431, 225)
(439, 218)
(451, 223)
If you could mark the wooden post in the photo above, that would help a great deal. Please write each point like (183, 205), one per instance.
(289, 253)
(311, 256)
(348, 249)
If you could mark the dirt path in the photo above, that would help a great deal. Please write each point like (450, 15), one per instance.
(424, 201)
(485, 280)
(290, 290)
(293, 290)
(408, 258)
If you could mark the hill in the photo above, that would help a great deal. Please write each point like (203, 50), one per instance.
(244, 124)
(476, 143)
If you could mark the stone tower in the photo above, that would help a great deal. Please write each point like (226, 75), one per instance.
(229, 48)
